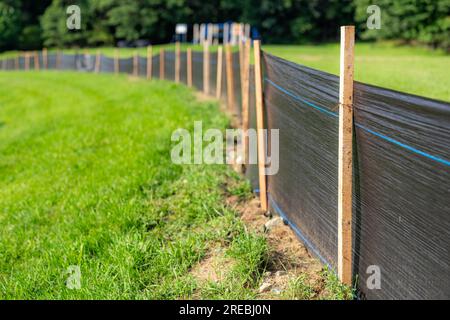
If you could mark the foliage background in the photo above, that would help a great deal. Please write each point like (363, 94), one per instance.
(28, 24)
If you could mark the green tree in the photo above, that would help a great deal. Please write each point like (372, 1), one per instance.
(413, 21)
(10, 25)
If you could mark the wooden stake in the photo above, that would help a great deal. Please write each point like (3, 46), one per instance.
(135, 65)
(245, 96)
(206, 68)
(149, 62)
(189, 67)
(27, 61)
(36, 61)
(97, 62)
(260, 126)
(219, 72)
(45, 58)
(230, 79)
(345, 155)
(58, 59)
(177, 62)
(161, 64)
(116, 61)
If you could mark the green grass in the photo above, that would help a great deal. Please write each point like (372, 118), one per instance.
(86, 179)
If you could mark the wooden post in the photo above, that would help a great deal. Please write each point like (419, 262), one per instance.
(27, 60)
(206, 68)
(189, 67)
(116, 61)
(245, 97)
(219, 72)
(44, 58)
(58, 59)
(177, 62)
(97, 62)
(135, 65)
(230, 79)
(161, 64)
(345, 155)
(36, 61)
(149, 62)
(260, 126)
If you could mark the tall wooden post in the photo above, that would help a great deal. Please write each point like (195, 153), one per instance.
(37, 65)
(58, 59)
(206, 67)
(177, 62)
(230, 79)
(116, 61)
(260, 126)
(27, 61)
(45, 58)
(245, 97)
(135, 64)
(97, 62)
(345, 155)
(149, 62)
(161, 64)
(189, 67)
(219, 72)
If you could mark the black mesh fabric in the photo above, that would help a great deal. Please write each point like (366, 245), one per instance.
(401, 212)
(197, 70)
(169, 65)
(126, 65)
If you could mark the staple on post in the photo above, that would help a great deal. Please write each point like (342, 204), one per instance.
(345, 155)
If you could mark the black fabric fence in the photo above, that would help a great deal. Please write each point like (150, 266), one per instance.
(401, 163)
(401, 207)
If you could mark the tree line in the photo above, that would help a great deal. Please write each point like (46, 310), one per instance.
(27, 25)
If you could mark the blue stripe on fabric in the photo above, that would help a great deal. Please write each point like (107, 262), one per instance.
(301, 99)
(379, 135)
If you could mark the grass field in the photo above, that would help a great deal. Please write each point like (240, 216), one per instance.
(413, 70)
(86, 180)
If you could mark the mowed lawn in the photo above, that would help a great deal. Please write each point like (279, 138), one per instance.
(86, 180)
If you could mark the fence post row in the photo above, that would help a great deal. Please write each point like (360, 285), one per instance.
(260, 126)
(345, 155)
